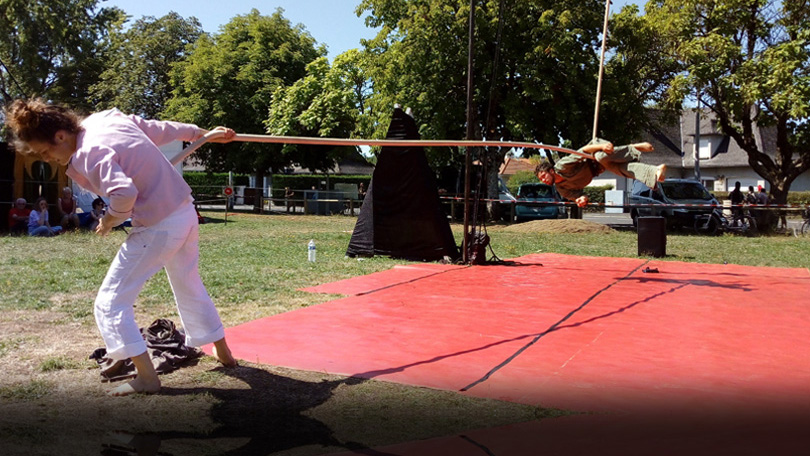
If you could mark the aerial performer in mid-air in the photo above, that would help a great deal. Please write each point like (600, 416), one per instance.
(574, 172)
(116, 156)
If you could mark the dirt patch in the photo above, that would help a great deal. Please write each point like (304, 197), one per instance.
(557, 226)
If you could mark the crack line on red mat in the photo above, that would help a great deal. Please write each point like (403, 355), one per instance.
(550, 329)
(363, 293)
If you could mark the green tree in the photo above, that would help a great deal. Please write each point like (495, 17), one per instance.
(535, 74)
(53, 48)
(750, 61)
(324, 103)
(229, 79)
(136, 79)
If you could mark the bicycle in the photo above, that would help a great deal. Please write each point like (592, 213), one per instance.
(805, 229)
(715, 222)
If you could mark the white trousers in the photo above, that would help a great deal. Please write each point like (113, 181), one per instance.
(172, 243)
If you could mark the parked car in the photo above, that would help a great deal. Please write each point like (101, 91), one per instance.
(503, 192)
(671, 192)
(538, 192)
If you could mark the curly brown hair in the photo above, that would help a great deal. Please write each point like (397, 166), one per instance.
(36, 120)
(543, 166)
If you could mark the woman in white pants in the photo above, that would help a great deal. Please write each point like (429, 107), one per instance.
(117, 156)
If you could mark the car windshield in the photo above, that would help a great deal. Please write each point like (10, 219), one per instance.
(534, 191)
(685, 190)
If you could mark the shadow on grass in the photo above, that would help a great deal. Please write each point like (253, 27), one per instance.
(268, 415)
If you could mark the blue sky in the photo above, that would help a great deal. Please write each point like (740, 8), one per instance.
(330, 22)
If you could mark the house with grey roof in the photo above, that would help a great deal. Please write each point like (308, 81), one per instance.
(719, 159)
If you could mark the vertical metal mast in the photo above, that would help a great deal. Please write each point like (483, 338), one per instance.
(465, 254)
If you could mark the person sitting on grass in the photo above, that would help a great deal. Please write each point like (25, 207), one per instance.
(573, 173)
(18, 217)
(116, 155)
(96, 214)
(67, 205)
(38, 221)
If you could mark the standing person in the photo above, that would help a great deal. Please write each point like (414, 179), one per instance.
(288, 194)
(751, 196)
(763, 214)
(737, 198)
(38, 220)
(117, 156)
(67, 209)
(762, 196)
(18, 217)
(573, 173)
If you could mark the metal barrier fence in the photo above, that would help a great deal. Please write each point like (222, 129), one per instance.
(351, 206)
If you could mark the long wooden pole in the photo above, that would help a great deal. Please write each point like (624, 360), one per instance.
(368, 142)
(601, 70)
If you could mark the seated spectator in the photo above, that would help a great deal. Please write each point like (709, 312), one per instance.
(18, 217)
(67, 209)
(38, 224)
(96, 214)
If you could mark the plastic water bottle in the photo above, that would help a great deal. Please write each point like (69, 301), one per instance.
(311, 250)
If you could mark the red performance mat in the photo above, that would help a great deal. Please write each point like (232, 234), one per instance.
(620, 335)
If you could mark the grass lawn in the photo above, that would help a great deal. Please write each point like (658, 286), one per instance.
(51, 399)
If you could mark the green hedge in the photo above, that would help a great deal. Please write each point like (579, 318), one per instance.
(520, 177)
(802, 198)
(597, 194)
(203, 179)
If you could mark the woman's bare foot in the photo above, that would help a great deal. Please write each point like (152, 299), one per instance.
(136, 386)
(223, 354)
(661, 174)
(644, 147)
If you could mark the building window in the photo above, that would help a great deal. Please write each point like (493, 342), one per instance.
(705, 151)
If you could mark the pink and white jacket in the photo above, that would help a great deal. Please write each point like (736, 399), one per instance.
(117, 156)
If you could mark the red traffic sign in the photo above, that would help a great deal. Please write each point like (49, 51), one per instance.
(228, 191)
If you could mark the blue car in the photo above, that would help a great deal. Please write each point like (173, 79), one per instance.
(538, 192)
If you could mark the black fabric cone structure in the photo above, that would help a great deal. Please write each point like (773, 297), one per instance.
(401, 216)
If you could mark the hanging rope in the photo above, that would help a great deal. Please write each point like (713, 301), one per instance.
(601, 69)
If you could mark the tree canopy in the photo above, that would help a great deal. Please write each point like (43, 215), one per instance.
(535, 71)
(53, 49)
(324, 103)
(750, 62)
(229, 79)
(136, 76)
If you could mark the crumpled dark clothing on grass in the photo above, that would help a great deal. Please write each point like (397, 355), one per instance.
(165, 344)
